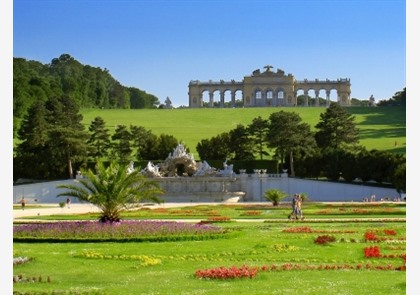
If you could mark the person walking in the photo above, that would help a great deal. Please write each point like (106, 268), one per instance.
(23, 203)
(299, 208)
(293, 214)
(68, 201)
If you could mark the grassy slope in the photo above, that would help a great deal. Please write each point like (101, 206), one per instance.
(380, 128)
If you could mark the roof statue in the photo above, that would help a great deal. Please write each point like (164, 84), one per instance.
(268, 68)
(168, 103)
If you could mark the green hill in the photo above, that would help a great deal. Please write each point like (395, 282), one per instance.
(382, 128)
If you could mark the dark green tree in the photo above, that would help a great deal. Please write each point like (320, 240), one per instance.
(336, 129)
(67, 136)
(139, 99)
(241, 145)
(336, 133)
(399, 178)
(52, 136)
(33, 135)
(398, 99)
(215, 148)
(99, 139)
(165, 145)
(143, 142)
(121, 144)
(258, 130)
(287, 134)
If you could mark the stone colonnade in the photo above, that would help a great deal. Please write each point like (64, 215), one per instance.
(268, 88)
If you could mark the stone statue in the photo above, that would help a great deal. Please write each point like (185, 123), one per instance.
(204, 169)
(168, 103)
(179, 159)
(151, 170)
(130, 168)
(227, 170)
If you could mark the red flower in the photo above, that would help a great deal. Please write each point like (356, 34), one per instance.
(372, 252)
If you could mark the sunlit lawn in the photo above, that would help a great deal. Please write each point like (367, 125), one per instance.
(381, 128)
(169, 267)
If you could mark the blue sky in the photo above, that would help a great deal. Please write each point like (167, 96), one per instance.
(159, 46)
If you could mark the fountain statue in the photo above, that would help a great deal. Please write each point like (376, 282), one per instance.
(184, 179)
(151, 170)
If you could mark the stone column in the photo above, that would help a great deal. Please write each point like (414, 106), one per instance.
(328, 97)
(222, 99)
(232, 99)
(317, 98)
(200, 100)
(306, 97)
(211, 95)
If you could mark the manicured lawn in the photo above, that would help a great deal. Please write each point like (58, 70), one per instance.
(298, 265)
(380, 128)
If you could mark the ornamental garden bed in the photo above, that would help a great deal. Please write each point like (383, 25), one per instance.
(254, 258)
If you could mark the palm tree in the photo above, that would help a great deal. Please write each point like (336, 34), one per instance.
(275, 196)
(113, 190)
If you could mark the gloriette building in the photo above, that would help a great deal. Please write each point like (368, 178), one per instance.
(267, 89)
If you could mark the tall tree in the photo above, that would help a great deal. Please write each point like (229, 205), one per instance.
(287, 134)
(165, 145)
(52, 136)
(240, 144)
(336, 128)
(99, 140)
(337, 134)
(258, 130)
(33, 135)
(215, 148)
(122, 143)
(67, 135)
(143, 142)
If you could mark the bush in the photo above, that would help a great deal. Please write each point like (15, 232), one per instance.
(274, 196)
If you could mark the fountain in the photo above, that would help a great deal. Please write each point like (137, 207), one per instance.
(185, 180)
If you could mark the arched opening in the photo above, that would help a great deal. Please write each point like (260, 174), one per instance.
(258, 98)
(228, 99)
(239, 100)
(281, 98)
(180, 169)
(311, 98)
(322, 97)
(269, 98)
(300, 97)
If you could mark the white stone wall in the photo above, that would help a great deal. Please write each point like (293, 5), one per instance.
(254, 186)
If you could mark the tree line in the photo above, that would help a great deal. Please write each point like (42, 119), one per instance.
(89, 87)
(332, 151)
(52, 140)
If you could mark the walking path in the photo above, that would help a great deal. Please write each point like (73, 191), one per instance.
(52, 209)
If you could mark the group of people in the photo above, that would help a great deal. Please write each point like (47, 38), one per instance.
(296, 208)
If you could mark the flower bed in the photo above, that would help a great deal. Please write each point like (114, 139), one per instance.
(123, 231)
(224, 273)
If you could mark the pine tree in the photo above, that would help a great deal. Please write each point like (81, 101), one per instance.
(53, 137)
(336, 128)
(122, 143)
(287, 134)
(99, 141)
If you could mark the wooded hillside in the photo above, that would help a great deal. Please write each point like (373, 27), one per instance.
(88, 86)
